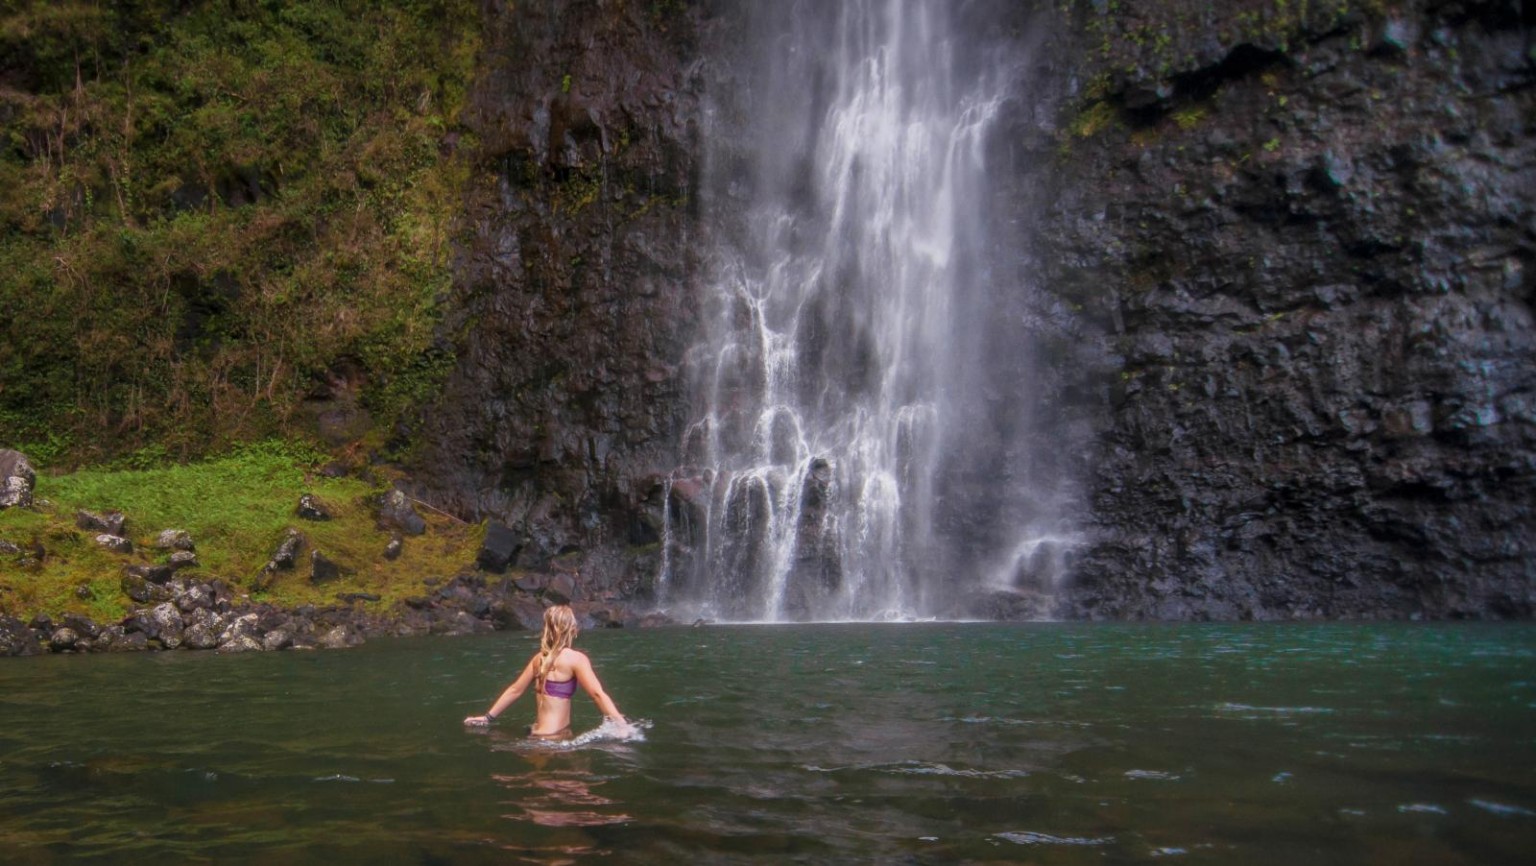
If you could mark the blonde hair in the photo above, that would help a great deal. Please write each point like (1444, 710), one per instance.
(559, 630)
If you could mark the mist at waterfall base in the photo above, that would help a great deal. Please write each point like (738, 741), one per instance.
(861, 447)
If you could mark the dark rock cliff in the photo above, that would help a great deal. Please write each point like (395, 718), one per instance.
(1304, 251)
(571, 309)
(1281, 263)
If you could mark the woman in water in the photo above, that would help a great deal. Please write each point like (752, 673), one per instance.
(555, 670)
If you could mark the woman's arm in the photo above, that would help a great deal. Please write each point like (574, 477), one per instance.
(588, 680)
(512, 693)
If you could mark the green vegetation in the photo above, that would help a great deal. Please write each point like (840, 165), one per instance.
(211, 209)
(1189, 118)
(236, 508)
(1092, 120)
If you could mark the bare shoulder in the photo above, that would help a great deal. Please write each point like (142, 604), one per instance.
(573, 656)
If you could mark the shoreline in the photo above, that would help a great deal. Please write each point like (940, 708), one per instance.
(193, 614)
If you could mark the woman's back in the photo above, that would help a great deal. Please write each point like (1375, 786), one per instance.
(564, 667)
(554, 672)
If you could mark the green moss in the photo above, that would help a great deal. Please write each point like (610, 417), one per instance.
(1189, 118)
(578, 191)
(1092, 120)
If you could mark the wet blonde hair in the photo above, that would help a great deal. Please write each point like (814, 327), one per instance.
(559, 630)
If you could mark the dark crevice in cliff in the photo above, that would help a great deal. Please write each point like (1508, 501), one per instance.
(1243, 61)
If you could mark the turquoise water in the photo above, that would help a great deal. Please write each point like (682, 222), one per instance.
(918, 744)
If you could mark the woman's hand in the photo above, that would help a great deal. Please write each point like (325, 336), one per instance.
(480, 721)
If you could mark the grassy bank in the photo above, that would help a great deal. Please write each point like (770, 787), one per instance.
(236, 508)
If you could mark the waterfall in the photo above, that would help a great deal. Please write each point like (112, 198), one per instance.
(849, 274)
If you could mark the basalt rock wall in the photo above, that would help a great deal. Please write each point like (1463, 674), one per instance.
(571, 309)
(1277, 285)
(1299, 245)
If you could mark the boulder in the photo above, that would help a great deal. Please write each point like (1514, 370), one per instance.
(221, 595)
(16, 639)
(117, 639)
(195, 596)
(17, 479)
(287, 553)
(174, 539)
(156, 574)
(270, 618)
(459, 623)
(340, 637)
(245, 625)
(81, 625)
(500, 546)
(63, 640)
(142, 591)
(311, 508)
(394, 548)
(114, 543)
(605, 615)
(165, 623)
(562, 589)
(15, 493)
(182, 559)
(532, 583)
(110, 523)
(322, 569)
(208, 617)
(396, 511)
(503, 616)
(276, 639)
(241, 644)
(200, 636)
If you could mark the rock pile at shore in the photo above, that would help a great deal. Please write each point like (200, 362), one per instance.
(211, 615)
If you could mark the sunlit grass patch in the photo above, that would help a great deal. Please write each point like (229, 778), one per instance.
(236, 508)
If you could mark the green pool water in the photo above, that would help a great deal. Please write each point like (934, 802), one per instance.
(915, 743)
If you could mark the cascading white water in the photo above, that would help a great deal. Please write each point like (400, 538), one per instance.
(851, 246)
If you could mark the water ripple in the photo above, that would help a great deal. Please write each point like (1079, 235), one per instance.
(1275, 711)
(1032, 838)
(1152, 775)
(1502, 809)
(920, 768)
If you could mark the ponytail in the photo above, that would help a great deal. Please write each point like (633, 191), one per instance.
(559, 632)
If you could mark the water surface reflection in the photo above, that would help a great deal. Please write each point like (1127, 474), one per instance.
(922, 744)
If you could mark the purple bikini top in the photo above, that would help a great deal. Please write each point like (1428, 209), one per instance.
(560, 690)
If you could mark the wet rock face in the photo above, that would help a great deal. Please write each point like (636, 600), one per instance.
(572, 308)
(1310, 270)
